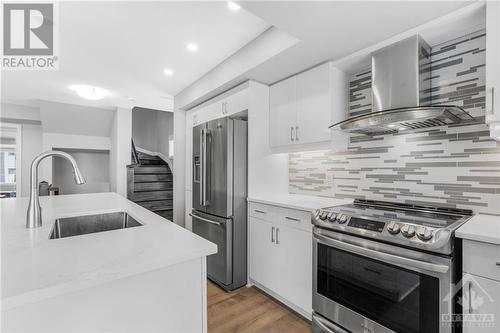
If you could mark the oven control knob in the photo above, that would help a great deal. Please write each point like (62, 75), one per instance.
(341, 218)
(408, 231)
(316, 213)
(332, 216)
(394, 228)
(323, 215)
(424, 234)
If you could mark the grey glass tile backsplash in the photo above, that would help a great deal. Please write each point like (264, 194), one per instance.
(450, 166)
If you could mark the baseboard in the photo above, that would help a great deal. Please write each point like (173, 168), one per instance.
(299, 311)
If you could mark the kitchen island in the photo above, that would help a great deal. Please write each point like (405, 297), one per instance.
(144, 278)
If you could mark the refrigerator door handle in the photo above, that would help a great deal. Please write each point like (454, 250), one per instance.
(205, 220)
(206, 154)
(203, 153)
(201, 167)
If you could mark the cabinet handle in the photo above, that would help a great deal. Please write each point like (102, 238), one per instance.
(259, 211)
(292, 219)
(493, 100)
(296, 133)
(272, 235)
(470, 296)
(491, 110)
(277, 235)
(291, 133)
(497, 263)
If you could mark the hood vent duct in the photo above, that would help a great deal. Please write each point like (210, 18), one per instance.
(401, 93)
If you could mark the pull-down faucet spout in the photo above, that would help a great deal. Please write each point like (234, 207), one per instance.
(34, 215)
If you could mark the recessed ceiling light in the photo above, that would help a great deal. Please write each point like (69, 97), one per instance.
(233, 6)
(89, 92)
(192, 47)
(131, 98)
(168, 72)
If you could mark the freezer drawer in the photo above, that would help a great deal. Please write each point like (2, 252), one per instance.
(219, 231)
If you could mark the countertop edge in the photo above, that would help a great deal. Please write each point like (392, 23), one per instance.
(86, 283)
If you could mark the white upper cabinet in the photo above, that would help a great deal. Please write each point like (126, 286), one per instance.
(304, 106)
(313, 105)
(283, 115)
(493, 67)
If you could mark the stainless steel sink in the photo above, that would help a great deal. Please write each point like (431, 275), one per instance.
(88, 224)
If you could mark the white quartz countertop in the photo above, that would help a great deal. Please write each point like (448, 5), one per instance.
(297, 201)
(35, 267)
(482, 228)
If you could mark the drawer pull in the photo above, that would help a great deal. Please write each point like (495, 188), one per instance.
(259, 211)
(498, 263)
(292, 219)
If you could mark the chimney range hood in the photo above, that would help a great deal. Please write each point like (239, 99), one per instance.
(401, 93)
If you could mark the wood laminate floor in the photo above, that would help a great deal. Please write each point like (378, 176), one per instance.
(248, 310)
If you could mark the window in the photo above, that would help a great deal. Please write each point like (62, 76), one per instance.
(10, 144)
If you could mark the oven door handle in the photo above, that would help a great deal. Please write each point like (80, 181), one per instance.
(326, 326)
(387, 257)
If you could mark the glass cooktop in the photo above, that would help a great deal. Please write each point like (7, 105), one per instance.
(436, 217)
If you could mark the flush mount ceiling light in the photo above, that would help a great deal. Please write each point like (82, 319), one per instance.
(89, 92)
(168, 72)
(233, 6)
(192, 47)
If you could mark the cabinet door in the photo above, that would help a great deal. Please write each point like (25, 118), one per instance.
(492, 61)
(237, 102)
(294, 264)
(314, 107)
(261, 253)
(483, 303)
(283, 112)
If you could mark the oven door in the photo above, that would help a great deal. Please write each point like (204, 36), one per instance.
(367, 286)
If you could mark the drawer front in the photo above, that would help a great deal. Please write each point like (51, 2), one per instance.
(292, 218)
(261, 211)
(482, 259)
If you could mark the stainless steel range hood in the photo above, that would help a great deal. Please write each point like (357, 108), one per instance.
(401, 93)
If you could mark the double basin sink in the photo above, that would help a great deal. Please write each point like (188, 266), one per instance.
(89, 224)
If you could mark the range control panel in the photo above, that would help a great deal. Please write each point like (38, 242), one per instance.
(356, 222)
(327, 218)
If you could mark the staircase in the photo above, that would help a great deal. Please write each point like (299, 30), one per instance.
(150, 184)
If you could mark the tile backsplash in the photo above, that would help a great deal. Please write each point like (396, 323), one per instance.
(455, 166)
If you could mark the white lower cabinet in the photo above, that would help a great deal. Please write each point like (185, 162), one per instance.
(280, 258)
(481, 305)
(481, 287)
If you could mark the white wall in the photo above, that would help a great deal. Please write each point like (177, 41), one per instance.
(121, 134)
(267, 172)
(31, 148)
(55, 141)
(75, 119)
(94, 165)
(31, 137)
(165, 130)
(180, 167)
(151, 129)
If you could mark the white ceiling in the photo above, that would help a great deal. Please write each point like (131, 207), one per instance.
(329, 30)
(125, 46)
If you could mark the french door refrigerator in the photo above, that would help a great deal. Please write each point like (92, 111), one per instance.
(219, 197)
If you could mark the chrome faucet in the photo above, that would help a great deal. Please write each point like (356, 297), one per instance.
(34, 215)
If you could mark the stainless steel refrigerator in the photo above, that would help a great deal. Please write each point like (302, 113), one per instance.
(219, 197)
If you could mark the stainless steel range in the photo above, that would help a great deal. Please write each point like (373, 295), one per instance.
(385, 267)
